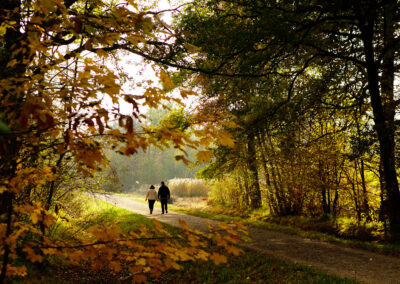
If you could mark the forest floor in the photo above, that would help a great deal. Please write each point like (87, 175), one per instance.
(335, 259)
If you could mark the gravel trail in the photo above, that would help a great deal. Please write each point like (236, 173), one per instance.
(364, 266)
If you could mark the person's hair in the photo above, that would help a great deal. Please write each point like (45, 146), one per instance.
(152, 187)
(162, 183)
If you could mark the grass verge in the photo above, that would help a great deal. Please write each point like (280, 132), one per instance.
(250, 267)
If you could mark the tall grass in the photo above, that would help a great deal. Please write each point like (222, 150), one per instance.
(187, 187)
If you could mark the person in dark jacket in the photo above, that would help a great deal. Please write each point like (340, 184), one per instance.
(163, 196)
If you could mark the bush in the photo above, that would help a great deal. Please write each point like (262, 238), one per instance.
(365, 231)
(226, 192)
(186, 187)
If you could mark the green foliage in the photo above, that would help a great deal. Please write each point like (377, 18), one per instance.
(325, 131)
(366, 231)
(175, 118)
(3, 126)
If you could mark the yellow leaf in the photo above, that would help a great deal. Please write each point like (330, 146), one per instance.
(230, 124)
(234, 250)
(225, 139)
(204, 156)
(49, 251)
(226, 227)
(12, 63)
(166, 81)
(176, 266)
(101, 53)
(34, 217)
(218, 258)
(32, 255)
(2, 189)
(203, 255)
(20, 270)
(116, 266)
(206, 140)
(184, 224)
(141, 261)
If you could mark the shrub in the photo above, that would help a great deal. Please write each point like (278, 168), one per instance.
(366, 231)
(226, 192)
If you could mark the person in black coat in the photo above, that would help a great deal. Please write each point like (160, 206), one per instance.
(164, 195)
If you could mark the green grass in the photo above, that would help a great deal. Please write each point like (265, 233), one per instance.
(250, 267)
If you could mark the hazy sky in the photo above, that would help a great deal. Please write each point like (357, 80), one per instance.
(134, 65)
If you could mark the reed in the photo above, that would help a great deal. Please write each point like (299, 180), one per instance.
(187, 187)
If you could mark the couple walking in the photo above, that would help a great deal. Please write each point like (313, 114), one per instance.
(163, 196)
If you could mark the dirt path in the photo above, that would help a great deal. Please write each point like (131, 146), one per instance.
(364, 266)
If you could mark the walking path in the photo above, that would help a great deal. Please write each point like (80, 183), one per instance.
(364, 266)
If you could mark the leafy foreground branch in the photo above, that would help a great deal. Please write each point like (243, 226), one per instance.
(128, 247)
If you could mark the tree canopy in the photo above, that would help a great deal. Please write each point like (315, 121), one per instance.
(285, 66)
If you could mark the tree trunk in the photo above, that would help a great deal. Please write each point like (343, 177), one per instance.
(246, 187)
(261, 143)
(279, 195)
(365, 194)
(255, 192)
(383, 108)
(8, 202)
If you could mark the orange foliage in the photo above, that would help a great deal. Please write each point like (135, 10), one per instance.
(55, 72)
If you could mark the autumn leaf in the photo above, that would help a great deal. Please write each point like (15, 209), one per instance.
(32, 255)
(19, 271)
(234, 250)
(218, 258)
(35, 217)
(101, 53)
(166, 81)
(204, 156)
(182, 158)
(225, 139)
(184, 224)
(203, 255)
(141, 261)
(115, 265)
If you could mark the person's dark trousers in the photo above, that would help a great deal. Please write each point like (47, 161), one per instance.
(164, 206)
(151, 205)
